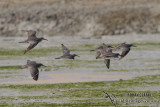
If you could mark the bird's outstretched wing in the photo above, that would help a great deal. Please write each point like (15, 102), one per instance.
(120, 46)
(32, 45)
(125, 51)
(98, 54)
(31, 33)
(107, 62)
(98, 48)
(34, 72)
(65, 50)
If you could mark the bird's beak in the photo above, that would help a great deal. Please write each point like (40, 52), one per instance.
(78, 56)
(134, 46)
(44, 66)
(45, 39)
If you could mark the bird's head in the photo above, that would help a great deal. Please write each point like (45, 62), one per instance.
(28, 61)
(30, 32)
(76, 55)
(109, 46)
(131, 45)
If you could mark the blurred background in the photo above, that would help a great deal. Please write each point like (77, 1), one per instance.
(80, 17)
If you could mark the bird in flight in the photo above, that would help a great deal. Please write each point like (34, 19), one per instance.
(33, 68)
(107, 54)
(32, 40)
(105, 51)
(125, 49)
(66, 53)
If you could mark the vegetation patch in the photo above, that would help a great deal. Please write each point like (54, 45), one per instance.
(9, 67)
(8, 72)
(88, 93)
(33, 52)
(146, 44)
(144, 80)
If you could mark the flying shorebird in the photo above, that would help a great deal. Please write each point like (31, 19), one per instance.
(66, 53)
(105, 51)
(101, 51)
(107, 54)
(33, 68)
(125, 49)
(32, 39)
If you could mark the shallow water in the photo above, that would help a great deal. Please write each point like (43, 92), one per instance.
(139, 62)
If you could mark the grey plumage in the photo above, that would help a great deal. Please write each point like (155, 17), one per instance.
(107, 62)
(101, 51)
(66, 53)
(33, 68)
(107, 54)
(125, 49)
(105, 51)
(32, 40)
